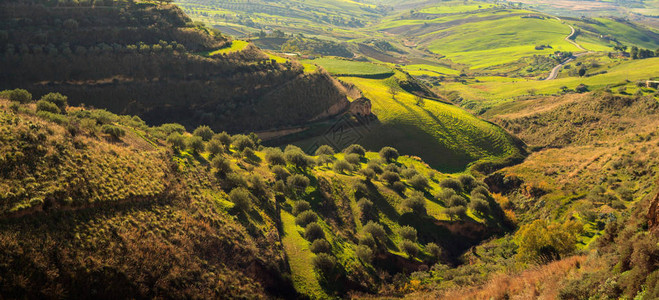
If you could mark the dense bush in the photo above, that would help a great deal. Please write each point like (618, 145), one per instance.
(205, 132)
(389, 154)
(364, 253)
(241, 141)
(280, 172)
(353, 158)
(407, 233)
(468, 182)
(224, 138)
(313, 231)
(366, 239)
(177, 140)
(341, 166)
(456, 200)
(366, 208)
(320, 246)
(221, 165)
(390, 177)
(356, 149)
(296, 157)
(375, 230)
(324, 263)
(409, 173)
(114, 131)
(445, 195)
(196, 144)
(306, 217)
(480, 190)
(369, 174)
(375, 166)
(409, 247)
(241, 198)
(274, 156)
(450, 183)
(399, 187)
(416, 203)
(298, 183)
(47, 106)
(214, 147)
(541, 241)
(57, 99)
(419, 182)
(300, 206)
(479, 205)
(434, 250)
(19, 95)
(455, 211)
(324, 150)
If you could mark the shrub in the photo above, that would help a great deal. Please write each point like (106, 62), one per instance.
(375, 230)
(399, 187)
(341, 166)
(324, 263)
(47, 106)
(480, 190)
(196, 143)
(467, 181)
(241, 198)
(177, 140)
(409, 248)
(205, 132)
(114, 131)
(249, 154)
(298, 183)
(297, 158)
(300, 206)
(389, 154)
(390, 177)
(170, 128)
(221, 165)
(369, 174)
(479, 205)
(320, 246)
(234, 180)
(456, 200)
(324, 159)
(20, 95)
(313, 231)
(419, 182)
(280, 172)
(325, 150)
(356, 149)
(306, 217)
(274, 156)
(392, 168)
(409, 173)
(375, 166)
(366, 208)
(366, 239)
(57, 99)
(416, 203)
(241, 141)
(455, 211)
(407, 233)
(223, 138)
(541, 241)
(434, 250)
(445, 195)
(214, 147)
(450, 183)
(364, 253)
(352, 158)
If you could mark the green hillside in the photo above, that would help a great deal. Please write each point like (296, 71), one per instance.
(96, 203)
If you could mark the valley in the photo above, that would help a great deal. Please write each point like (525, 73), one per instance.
(367, 149)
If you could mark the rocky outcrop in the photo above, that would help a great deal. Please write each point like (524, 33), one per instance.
(653, 215)
(361, 107)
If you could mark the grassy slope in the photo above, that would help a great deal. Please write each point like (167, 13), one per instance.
(493, 92)
(445, 136)
(336, 66)
(495, 42)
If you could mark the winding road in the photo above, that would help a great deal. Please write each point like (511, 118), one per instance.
(554, 72)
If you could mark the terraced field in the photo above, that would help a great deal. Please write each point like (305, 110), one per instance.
(343, 67)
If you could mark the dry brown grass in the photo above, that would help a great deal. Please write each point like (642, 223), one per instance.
(541, 282)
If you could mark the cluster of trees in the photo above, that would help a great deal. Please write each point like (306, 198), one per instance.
(639, 53)
(315, 46)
